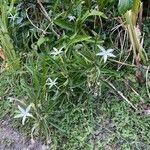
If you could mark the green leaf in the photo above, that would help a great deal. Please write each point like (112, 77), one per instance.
(97, 13)
(41, 40)
(124, 5)
(135, 10)
(135, 7)
(93, 13)
(64, 24)
(78, 38)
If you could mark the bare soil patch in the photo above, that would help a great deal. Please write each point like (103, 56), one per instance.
(11, 139)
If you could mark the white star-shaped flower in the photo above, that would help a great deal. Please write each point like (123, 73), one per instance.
(23, 113)
(51, 82)
(13, 17)
(56, 51)
(71, 18)
(105, 53)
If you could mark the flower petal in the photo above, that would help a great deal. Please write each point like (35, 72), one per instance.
(100, 54)
(111, 55)
(18, 116)
(55, 49)
(101, 48)
(29, 115)
(105, 58)
(110, 50)
(21, 109)
(23, 120)
(28, 108)
(61, 48)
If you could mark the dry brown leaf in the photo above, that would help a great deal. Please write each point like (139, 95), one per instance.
(2, 54)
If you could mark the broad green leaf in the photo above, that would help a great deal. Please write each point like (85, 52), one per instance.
(97, 13)
(78, 38)
(124, 5)
(93, 13)
(135, 10)
(64, 24)
(135, 7)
